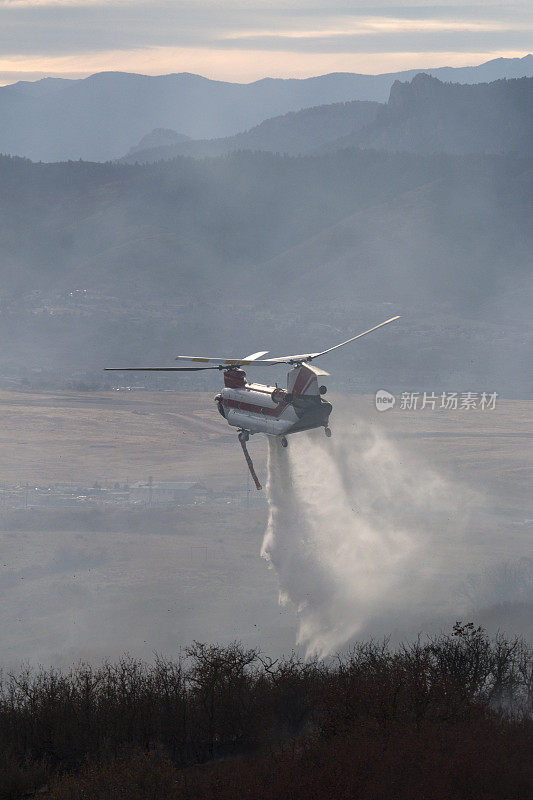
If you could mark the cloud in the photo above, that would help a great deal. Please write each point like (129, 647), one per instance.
(93, 35)
(434, 42)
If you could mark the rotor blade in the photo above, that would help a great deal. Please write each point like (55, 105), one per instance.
(316, 370)
(230, 362)
(157, 369)
(381, 324)
(308, 356)
(296, 359)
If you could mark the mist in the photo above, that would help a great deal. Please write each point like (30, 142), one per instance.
(356, 533)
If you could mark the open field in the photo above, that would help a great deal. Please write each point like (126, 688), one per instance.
(116, 436)
(127, 436)
(113, 582)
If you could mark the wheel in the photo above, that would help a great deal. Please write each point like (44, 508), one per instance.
(327, 431)
(284, 441)
(243, 436)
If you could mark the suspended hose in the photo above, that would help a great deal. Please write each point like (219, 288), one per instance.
(250, 464)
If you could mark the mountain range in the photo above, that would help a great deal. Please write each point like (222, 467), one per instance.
(421, 206)
(424, 116)
(101, 117)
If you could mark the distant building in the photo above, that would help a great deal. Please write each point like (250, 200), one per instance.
(159, 493)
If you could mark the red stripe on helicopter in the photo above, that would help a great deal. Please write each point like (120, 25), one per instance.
(269, 412)
(302, 383)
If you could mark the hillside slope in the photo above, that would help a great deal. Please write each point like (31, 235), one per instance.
(128, 263)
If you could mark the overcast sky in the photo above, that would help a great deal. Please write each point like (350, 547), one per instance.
(242, 40)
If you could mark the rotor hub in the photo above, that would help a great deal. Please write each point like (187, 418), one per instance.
(234, 378)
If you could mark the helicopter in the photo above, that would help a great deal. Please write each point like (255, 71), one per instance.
(260, 408)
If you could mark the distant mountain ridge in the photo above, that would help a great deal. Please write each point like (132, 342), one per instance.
(294, 133)
(423, 116)
(159, 137)
(428, 116)
(102, 116)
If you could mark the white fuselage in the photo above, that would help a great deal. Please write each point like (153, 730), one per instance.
(257, 408)
(253, 409)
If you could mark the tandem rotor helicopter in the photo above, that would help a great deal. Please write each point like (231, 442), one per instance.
(258, 408)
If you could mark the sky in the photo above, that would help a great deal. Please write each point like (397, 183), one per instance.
(243, 40)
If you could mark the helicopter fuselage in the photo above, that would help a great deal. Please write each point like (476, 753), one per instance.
(258, 408)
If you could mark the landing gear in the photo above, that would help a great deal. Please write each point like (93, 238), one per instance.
(327, 431)
(284, 441)
(243, 436)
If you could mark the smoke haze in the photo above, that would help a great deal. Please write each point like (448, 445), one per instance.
(354, 530)
(298, 235)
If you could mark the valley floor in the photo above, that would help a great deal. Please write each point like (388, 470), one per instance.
(93, 581)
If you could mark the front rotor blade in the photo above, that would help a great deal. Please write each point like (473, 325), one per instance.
(230, 362)
(223, 363)
(157, 369)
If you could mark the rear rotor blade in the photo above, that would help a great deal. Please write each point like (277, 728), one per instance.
(306, 357)
(381, 324)
(316, 370)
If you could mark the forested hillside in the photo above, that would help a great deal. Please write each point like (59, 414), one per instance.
(428, 116)
(129, 262)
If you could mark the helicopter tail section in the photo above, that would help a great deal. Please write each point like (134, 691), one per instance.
(302, 381)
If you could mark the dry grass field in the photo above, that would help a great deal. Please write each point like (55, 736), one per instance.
(116, 436)
(100, 589)
(120, 436)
